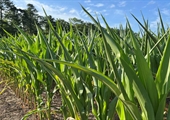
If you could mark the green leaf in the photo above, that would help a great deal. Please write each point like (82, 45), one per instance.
(151, 36)
(163, 73)
(66, 82)
(92, 72)
(112, 109)
(161, 108)
(145, 74)
(138, 87)
(113, 87)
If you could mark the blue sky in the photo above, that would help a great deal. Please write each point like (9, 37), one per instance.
(114, 11)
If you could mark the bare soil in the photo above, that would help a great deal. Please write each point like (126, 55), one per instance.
(12, 107)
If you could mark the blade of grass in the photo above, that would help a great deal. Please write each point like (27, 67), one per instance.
(152, 37)
(144, 72)
(163, 73)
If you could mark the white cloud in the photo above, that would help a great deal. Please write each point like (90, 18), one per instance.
(55, 11)
(38, 5)
(99, 5)
(20, 4)
(165, 11)
(154, 23)
(49, 8)
(106, 14)
(112, 6)
(119, 12)
(122, 4)
(62, 9)
(87, 1)
(104, 10)
(151, 2)
(72, 11)
(168, 4)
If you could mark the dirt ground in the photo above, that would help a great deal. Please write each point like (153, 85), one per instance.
(11, 107)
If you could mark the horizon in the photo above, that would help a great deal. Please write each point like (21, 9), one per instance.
(114, 11)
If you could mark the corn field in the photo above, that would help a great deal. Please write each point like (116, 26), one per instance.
(112, 76)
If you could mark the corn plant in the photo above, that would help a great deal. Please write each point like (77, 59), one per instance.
(102, 73)
(140, 95)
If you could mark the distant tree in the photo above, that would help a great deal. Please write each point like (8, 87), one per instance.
(12, 15)
(29, 17)
(43, 22)
(5, 7)
(1, 16)
(75, 21)
(64, 24)
(32, 18)
(81, 25)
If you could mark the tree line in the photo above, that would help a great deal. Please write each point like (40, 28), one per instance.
(11, 16)
(28, 18)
